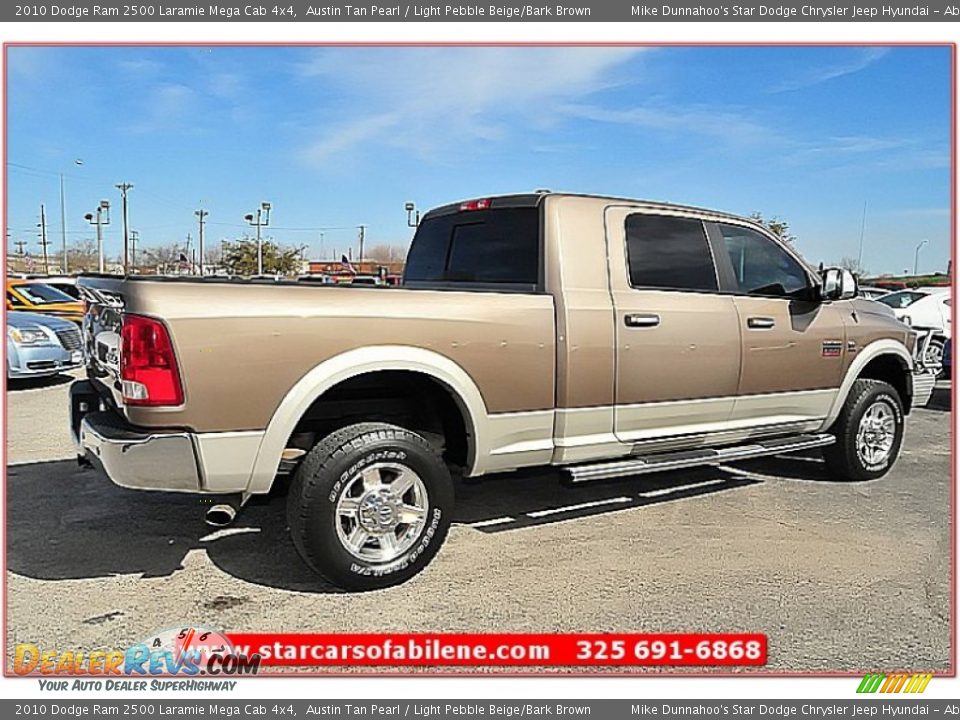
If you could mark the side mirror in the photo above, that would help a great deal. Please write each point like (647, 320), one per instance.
(837, 284)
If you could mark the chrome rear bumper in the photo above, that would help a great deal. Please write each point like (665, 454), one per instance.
(131, 457)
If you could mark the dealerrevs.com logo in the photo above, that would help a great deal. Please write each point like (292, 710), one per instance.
(183, 651)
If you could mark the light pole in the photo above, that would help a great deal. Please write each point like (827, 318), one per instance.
(63, 219)
(916, 256)
(262, 220)
(124, 188)
(413, 215)
(103, 209)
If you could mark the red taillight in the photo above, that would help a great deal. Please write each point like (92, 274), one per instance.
(148, 367)
(475, 204)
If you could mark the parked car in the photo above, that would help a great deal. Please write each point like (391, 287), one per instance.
(605, 336)
(37, 297)
(871, 293)
(41, 345)
(64, 283)
(925, 307)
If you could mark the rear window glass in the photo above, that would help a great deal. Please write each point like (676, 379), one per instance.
(901, 300)
(481, 247)
(40, 294)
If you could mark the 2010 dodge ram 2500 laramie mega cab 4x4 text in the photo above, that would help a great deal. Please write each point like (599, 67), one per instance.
(608, 337)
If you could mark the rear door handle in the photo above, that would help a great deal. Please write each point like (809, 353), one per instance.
(760, 323)
(641, 320)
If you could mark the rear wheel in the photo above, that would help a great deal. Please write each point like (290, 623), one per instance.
(370, 506)
(869, 432)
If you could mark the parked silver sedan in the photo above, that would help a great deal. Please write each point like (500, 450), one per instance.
(41, 345)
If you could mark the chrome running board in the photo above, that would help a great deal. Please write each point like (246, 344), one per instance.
(693, 458)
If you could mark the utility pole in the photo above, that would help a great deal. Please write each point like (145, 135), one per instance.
(363, 232)
(20, 245)
(103, 210)
(134, 238)
(123, 188)
(43, 237)
(201, 214)
(262, 220)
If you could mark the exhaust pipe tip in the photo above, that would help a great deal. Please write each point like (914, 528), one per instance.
(221, 515)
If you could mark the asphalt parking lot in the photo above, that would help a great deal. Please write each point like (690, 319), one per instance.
(841, 576)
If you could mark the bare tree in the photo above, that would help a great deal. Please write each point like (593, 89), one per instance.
(386, 253)
(853, 265)
(776, 225)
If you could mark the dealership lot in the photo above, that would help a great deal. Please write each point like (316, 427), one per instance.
(841, 576)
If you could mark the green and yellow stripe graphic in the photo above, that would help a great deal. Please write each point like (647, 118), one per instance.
(894, 682)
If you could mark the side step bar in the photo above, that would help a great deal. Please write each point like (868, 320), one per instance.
(693, 458)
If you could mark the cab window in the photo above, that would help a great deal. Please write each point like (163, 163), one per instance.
(667, 252)
(760, 266)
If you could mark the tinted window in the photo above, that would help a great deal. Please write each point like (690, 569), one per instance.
(901, 299)
(41, 294)
(669, 252)
(14, 300)
(500, 247)
(760, 266)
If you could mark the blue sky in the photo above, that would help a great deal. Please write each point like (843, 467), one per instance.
(337, 137)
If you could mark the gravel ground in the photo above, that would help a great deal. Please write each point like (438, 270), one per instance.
(841, 576)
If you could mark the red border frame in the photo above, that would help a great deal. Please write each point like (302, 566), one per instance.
(559, 673)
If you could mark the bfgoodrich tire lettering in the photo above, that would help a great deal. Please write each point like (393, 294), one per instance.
(869, 432)
(370, 505)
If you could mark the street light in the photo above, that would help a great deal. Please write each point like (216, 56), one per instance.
(63, 219)
(103, 209)
(262, 220)
(916, 255)
(413, 215)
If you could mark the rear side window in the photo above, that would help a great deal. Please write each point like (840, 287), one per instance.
(669, 252)
(499, 247)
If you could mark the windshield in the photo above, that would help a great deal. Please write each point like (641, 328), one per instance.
(40, 294)
(900, 300)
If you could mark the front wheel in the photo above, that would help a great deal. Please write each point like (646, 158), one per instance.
(370, 506)
(869, 432)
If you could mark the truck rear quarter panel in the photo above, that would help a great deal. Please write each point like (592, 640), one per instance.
(242, 347)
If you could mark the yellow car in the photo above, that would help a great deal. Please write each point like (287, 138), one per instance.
(40, 298)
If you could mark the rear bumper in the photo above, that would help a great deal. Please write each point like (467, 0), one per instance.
(131, 457)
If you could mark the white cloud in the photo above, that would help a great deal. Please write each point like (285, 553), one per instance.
(167, 107)
(861, 59)
(721, 124)
(427, 98)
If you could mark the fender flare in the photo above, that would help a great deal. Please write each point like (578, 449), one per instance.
(351, 364)
(868, 353)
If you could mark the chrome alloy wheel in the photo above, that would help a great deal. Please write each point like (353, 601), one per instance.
(876, 433)
(381, 512)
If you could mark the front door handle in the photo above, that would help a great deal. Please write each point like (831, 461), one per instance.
(641, 320)
(760, 323)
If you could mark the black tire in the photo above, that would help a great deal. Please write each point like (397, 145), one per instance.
(330, 472)
(844, 460)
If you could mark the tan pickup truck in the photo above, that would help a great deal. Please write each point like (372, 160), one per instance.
(605, 336)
